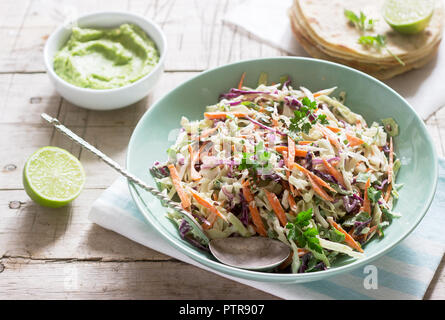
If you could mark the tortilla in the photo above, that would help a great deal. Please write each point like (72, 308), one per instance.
(374, 70)
(324, 32)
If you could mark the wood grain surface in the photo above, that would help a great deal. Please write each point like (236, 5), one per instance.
(59, 253)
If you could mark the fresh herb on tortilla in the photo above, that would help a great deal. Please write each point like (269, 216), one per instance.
(378, 41)
(359, 21)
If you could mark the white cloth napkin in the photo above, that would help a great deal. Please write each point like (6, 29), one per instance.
(403, 273)
(268, 21)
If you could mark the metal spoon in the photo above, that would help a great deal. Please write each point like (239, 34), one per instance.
(254, 253)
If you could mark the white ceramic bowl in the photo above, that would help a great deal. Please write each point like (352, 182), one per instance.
(107, 99)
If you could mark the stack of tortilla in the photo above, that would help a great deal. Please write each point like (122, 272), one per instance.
(325, 33)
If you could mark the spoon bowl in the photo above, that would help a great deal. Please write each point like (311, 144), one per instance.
(254, 253)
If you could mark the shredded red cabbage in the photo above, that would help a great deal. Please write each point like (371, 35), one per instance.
(308, 161)
(292, 102)
(325, 176)
(360, 225)
(351, 205)
(320, 161)
(264, 126)
(184, 229)
(211, 162)
(304, 262)
(384, 182)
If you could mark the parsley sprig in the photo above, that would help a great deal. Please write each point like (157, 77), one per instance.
(378, 41)
(258, 159)
(360, 21)
(374, 195)
(302, 233)
(304, 117)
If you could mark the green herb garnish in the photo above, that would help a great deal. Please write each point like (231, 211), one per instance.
(379, 42)
(359, 22)
(304, 117)
(374, 195)
(259, 159)
(303, 235)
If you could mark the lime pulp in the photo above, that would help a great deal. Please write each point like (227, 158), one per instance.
(408, 16)
(53, 177)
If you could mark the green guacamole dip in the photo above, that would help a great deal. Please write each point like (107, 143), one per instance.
(106, 58)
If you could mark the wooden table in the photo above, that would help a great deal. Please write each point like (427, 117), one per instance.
(59, 253)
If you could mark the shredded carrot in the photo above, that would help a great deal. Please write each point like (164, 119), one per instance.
(207, 204)
(366, 203)
(298, 152)
(240, 84)
(290, 151)
(223, 115)
(319, 190)
(354, 141)
(348, 239)
(207, 133)
(193, 157)
(302, 252)
(317, 179)
(370, 232)
(333, 129)
(334, 172)
(185, 201)
(201, 151)
(388, 193)
(290, 159)
(276, 206)
(304, 142)
(331, 139)
(286, 163)
(210, 221)
(256, 218)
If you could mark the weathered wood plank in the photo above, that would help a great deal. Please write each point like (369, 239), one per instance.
(30, 231)
(197, 38)
(46, 279)
(23, 97)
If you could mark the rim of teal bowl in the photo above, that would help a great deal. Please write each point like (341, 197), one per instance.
(279, 277)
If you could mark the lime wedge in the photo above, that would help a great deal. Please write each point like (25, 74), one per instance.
(53, 177)
(408, 16)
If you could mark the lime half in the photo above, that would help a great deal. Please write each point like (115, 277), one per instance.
(408, 16)
(53, 177)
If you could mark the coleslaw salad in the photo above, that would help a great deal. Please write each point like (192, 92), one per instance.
(284, 163)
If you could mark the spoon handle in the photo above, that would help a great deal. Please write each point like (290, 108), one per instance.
(132, 178)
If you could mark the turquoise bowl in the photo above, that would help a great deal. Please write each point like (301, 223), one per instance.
(365, 95)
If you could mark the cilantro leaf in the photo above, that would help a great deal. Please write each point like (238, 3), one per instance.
(303, 217)
(308, 103)
(304, 117)
(378, 41)
(374, 195)
(322, 119)
(360, 22)
(336, 236)
(304, 237)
